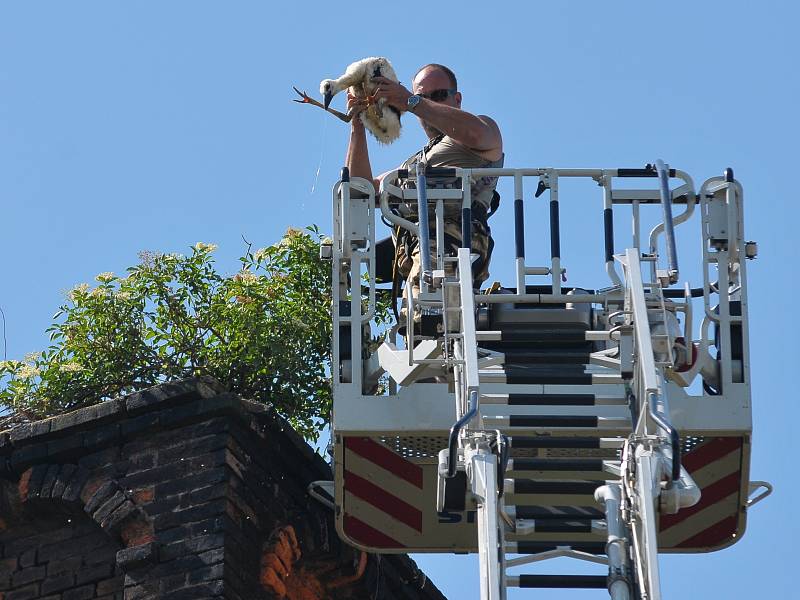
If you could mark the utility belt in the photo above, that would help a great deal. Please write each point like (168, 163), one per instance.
(452, 211)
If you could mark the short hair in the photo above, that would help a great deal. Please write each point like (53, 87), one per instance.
(450, 75)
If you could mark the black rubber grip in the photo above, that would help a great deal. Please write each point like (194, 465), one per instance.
(729, 174)
(608, 221)
(536, 547)
(555, 231)
(345, 174)
(577, 488)
(466, 227)
(551, 399)
(440, 172)
(677, 293)
(641, 173)
(519, 228)
(546, 374)
(548, 441)
(562, 526)
(552, 421)
(546, 512)
(563, 581)
(561, 464)
(430, 172)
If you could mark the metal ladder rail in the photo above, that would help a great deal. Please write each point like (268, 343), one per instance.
(654, 448)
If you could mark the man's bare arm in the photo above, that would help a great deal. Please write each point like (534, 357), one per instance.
(357, 158)
(477, 132)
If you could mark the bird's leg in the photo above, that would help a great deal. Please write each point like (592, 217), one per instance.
(306, 99)
(371, 102)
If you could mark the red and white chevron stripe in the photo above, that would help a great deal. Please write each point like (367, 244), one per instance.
(383, 495)
(714, 522)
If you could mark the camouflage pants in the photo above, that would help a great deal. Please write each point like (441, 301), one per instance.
(409, 262)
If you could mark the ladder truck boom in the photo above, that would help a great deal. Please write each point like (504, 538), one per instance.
(606, 423)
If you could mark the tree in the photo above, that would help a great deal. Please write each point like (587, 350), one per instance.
(264, 332)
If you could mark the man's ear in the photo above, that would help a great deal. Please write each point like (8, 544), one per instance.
(458, 99)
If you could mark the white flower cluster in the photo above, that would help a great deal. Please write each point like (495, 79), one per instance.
(81, 288)
(105, 277)
(27, 372)
(202, 246)
(71, 367)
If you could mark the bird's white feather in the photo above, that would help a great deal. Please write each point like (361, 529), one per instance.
(381, 120)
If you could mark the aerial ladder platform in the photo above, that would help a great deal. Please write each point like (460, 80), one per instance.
(539, 420)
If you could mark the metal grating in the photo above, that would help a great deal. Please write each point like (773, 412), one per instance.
(416, 448)
(607, 453)
(688, 443)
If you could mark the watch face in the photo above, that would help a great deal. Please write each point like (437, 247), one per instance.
(413, 101)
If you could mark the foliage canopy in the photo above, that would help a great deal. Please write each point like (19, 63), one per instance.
(265, 332)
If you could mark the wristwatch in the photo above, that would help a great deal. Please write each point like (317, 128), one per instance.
(412, 102)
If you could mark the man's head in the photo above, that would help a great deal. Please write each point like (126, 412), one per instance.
(438, 84)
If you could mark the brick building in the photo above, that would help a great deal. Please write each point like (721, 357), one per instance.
(182, 491)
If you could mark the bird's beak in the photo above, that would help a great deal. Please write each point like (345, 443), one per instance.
(327, 100)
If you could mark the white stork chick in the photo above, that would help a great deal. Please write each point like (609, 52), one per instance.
(383, 121)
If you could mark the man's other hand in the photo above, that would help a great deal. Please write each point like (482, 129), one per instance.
(395, 93)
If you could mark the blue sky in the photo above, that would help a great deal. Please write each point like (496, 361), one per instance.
(153, 125)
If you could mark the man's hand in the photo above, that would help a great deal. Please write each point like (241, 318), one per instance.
(395, 93)
(355, 105)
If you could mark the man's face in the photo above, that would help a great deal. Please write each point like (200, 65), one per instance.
(429, 81)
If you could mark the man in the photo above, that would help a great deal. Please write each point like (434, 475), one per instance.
(456, 138)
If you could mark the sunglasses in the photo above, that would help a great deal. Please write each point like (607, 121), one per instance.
(439, 95)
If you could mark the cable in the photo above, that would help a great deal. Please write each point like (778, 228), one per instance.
(5, 342)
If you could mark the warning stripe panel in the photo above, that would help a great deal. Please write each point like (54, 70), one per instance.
(691, 526)
(380, 521)
(386, 480)
(716, 466)
(710, 451)
(714, 535)
(379, 498)
(382, 456)
(365, 535)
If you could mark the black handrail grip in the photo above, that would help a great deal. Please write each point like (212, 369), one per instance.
(452, 443)
(555, 231)
(466, 227)
(646, 172)
(729, 174)
(675, 439)
(608, 226)
(519, 228)
(345, 174)
(677, 293)
(429, 172)
(440, 172)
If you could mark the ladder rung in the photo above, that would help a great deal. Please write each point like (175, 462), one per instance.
(568, 525)
(528, 486)
(558, 581)
(556, 355)
(554, 512)
(547, 375)
(551, 400)
(520, 334)
(538, 547)
(561, 425)
(545, 441)
(557, 465)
